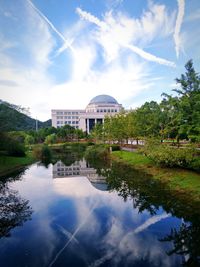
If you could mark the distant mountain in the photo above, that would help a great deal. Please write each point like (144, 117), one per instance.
(12, 118)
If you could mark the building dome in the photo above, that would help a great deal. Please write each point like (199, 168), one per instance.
(105, 99)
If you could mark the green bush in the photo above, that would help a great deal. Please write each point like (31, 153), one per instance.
(15, 148)
(50, 139)
(195, 164)
(169, 156)
(29, 140)
(97, 151)
(194, 138)
(46, 152)
(42, 152)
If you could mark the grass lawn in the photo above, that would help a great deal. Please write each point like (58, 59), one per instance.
(177, 179)
(9, 164)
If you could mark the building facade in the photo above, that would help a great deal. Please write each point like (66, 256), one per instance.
(95, 112)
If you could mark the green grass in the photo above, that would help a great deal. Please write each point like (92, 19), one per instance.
(133, 158)
(9, 164)
(176, 179)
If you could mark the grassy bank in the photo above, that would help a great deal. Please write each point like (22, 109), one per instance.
(9, 164)
(177, 179)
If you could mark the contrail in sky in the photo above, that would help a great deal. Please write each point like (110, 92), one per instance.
(179, 21)
(87, 16)
(67, 44)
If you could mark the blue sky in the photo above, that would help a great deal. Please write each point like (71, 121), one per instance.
(60, 54)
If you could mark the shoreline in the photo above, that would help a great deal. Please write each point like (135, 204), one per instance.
(10, 164)
(177, 179)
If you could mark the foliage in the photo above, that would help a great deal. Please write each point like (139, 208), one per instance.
(8, 163)
(50, 139)
(15, 148)
(29, 140)
(176, 179)
(97, 151)
(176, 117)
(42, 152)
(46, 153)
(15, 118)
(170, 156)
(11, 145)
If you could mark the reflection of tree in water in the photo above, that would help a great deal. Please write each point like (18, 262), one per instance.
(67, 158)
(148, 195)
(14, 210)
(186, 242)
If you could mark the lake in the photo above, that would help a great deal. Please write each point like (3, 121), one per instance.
(79, 213)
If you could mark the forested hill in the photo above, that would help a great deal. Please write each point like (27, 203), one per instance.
(12, 118)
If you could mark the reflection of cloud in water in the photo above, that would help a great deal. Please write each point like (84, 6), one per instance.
(119, 244)
(115, 240)
(76, 187)
(150, 221)
(73, 236)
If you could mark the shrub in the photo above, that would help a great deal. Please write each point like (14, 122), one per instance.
(42, 152)
(46, 152)
(15, 148)
(29, 140)
(97, 151)
(37, 151)
(50, 139)
(168, 156)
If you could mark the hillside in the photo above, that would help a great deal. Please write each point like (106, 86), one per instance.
(12, 119)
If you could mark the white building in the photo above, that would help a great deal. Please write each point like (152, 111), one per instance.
(95, 112)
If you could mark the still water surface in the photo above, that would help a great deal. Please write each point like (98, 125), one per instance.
(78, 215)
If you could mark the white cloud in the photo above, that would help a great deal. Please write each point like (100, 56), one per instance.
(120, 31)
(34, 46)
(67, 44)
(108, 56)
(150, 57)
(179, 21)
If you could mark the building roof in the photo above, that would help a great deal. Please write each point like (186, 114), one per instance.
(106, 99)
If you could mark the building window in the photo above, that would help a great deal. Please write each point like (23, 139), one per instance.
(59, 113)
(104, 110)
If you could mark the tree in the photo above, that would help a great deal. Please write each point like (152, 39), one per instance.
(183, 118)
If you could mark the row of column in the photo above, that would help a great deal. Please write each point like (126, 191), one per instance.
(88, 125)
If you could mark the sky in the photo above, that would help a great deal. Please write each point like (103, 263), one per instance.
(62, 53)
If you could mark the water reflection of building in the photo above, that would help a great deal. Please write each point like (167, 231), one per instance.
(79, 168)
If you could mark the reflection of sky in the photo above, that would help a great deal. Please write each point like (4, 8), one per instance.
(74, 224)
